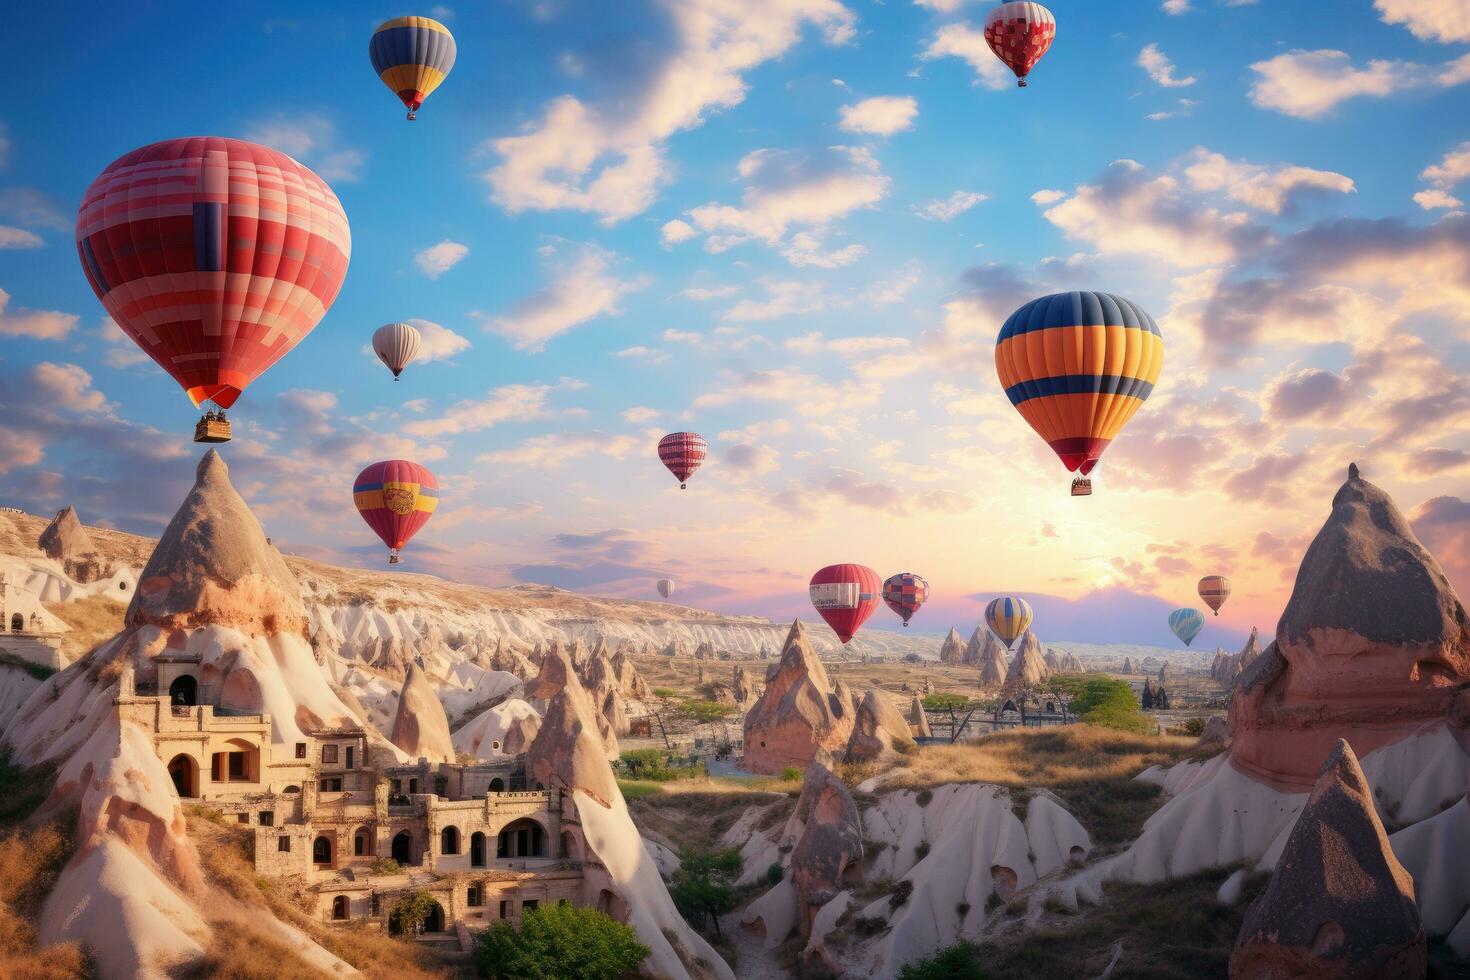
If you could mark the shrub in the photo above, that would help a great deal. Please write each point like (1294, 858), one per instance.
(559, 942)
(665, 692)
(1192, 728)
(410, 912)
(1110, 703)
(791, 774)
(869, 925)
(943, 702)
(703, 886)
(385, 866)
(701, 710)
(951, 963)
(901, 893)
(921, 850)
(775, 873)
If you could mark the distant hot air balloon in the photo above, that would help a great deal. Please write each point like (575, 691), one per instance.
(396, 344)
(1019, 33)
(1077, 366)
(905, 593)
(395, 498)
(1214, 590)
(1008, 617)
(216, 256)
(1186, 624)
(682, 453)
(665, 587)
(846, 596)
(413, 56)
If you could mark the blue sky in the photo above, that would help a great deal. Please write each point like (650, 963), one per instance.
(794, 226)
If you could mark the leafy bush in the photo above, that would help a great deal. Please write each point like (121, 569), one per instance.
(1192, 728)
(650, 764)
(943, 702)
(385, 866)
(559, 942)
(703, 887)
(410, 912)
(1110, 703)
(791, 774)
(665, 692)
(775, 873)
(701, 710)
(956, 962)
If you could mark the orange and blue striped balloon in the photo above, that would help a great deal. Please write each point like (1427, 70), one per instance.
(413, 56)
(1077, 366)
(1008, 617)
(396, 499)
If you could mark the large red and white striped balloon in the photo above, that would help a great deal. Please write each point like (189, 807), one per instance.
(682, 453)
(846, 596)
(216, 256)
(1020, 32)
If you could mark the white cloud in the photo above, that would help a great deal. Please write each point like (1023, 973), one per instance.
(18, 238)
(701, 294)
(1269, 189)
(676, 231)
(39, 324)
(1431, 200)
(1048, 196)
(648, 355)
(610, 160)
(881, 115)
(1176, 7)
(941, 6)
(1428, 20)
(806, 393)
(1310, 84)
(964, 42)
(583, 289)
(951, 207)
(312, 139)
(807, 249)
(749, 459)
(439, 342)
(640, 413)
(1452, 169)
(1160, 68)
(508, 403)
(558, 449)
(783, 298)
(438, 259)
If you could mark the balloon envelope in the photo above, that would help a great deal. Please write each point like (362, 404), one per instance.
(1008, 617)
(905, 593)
(665, 587)
(1186, 624)
(397, 344)
(846, 596)
(412, 56)
(1020, 33)
(1214, 590)
(682, 453)
(216, 256)
(396, 499)
(1077, 366)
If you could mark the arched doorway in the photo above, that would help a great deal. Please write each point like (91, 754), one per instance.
(240, 763)
(434, 921)
(17, 622)
(184, 690)
(521, 839)
(477, 850)
(1008, 706)
(184, 771)
(339, 907)
(321, 850)
(449, 840)
(569, 849)
(403, 847)
(497, 785)
(362, 843)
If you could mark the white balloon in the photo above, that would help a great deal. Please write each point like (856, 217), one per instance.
(396, 344)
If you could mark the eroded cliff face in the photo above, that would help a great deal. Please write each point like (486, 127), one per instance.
(799, 713)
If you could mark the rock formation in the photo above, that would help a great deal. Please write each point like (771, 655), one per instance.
(1216, 734)
(975, 649)
(67, 541)
(1127, 666)
(507, 729)
(421, 729)
(1340, 905)
(740, 687)
(557, 673)
(919, 719)
(629, 680)
(830, 843)
(992, 663)
(1028, 668)
(952, 651)
(798, 712)
(878, 730)
(1053, 661)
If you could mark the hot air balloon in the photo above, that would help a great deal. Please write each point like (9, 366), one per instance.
(1186, 624)
(396, 344)
(665, 587)
(905, 593)
(1020, 33)
(1214, 590)
(216, 256)
(413, 56)
(682, 453)
(1008, 617)
(395, 498)
(1077, 366)
(846, 596)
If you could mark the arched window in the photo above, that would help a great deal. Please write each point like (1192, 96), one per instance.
(477, 850)
(321, 850)
(497, 785)
(569, 849)
(476, 896)
(403, 847)
(521, 839)
(449, 840)
(339, 907)
(17, 622)
(362, 843)
(183, 691)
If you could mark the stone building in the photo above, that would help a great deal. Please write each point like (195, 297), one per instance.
(27, 630)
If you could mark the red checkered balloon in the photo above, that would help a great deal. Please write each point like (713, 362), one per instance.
(682, 453)
(905, 593)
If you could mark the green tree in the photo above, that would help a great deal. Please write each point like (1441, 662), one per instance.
(410, 912)
(943, 702)
(1111, 703)
(955, 962)
(703, 886)
(559, 942)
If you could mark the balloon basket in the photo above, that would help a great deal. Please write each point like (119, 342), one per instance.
(683, 486)
(394, 560)
(1082, 487)
(1020, 83)
(212, 428)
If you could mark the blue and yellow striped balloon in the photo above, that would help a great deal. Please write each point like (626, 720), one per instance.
(1008, 617)
(413, 56)
(1186, 624)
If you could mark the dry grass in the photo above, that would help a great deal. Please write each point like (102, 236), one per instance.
(1091, 769)
(224, 849)
(92, 620)
(241, 952)
(697, 813)
(31, 858)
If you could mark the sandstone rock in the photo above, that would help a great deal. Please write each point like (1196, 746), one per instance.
(797, 714)
(1053, 661)
(740, 687)
(919, 719)
(1028, 668)
(831, 840)
(878, 730)
(1340, 905)
(1127, 666)
(1216, 734)
(975, 648)
(66, 540)
(421, 729)
(952, 651)
(506, 729)
(570, 750)
(992, 663)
